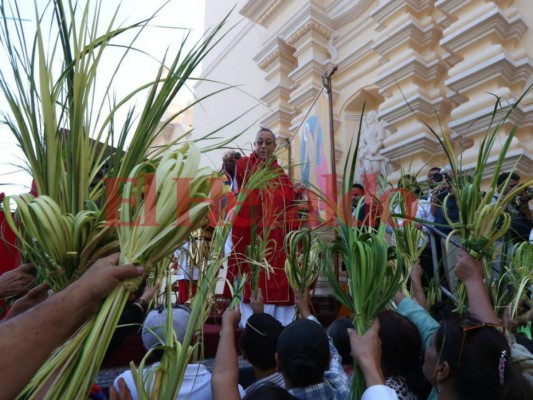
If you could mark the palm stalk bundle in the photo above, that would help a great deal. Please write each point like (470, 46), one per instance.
(60, 246)
(482, 220)
(140, 243)
(302, 265)
(516, 280)
(373, 279)
(237, 289)
(374, 271)
(257, 254)
(409, 240)
(64, 118)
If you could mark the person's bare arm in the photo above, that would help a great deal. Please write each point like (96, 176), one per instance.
(416, 285)
(225, 378)
(470, 272)
(366, 351)
(16, 281)
(303, 303)
(34, 334)
(35, 296)
(257, 302)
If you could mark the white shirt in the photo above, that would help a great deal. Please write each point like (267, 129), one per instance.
(379, 392)
(196, 383)
(182, 259)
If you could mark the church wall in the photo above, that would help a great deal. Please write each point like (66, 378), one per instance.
(440, 58)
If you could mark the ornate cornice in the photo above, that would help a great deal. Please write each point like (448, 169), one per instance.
(276, 49)
(417, 104)
(500, 67)
(416, 144)
(261, 11)
(279, 116)
(490, 23)
(276, 92)
(518, 160)
(343, 12)
(356, 55)
(449, 6)
(311, 17)
(300, 96)
(479, 120)
(307, 27)
(409, 31)
(415, 66)
(392, 7)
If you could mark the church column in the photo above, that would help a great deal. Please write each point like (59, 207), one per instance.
(410, 79)
(485, 37)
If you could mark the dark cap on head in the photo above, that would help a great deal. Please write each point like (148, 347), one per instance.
(303, 350)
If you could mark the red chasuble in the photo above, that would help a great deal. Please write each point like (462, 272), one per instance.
(271, 212)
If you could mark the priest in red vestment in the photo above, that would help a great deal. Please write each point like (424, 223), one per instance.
(271, 213)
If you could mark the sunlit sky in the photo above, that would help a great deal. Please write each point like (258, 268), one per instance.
(155, 41)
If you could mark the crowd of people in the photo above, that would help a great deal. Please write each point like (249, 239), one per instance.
(409, 352)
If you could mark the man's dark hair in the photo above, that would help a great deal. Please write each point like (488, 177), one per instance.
(358, 186)
(259, 340)
(338, 332)
(503, 177)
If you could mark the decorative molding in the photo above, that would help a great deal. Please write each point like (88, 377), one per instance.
(276, 92)
(261, 11)
(414, 145)
(309, 26)
(501, 67)
(519, 158)
(300, 97)
(311, 17)
(343, 12)
(413, 67)
(311, 69)
(449, 6)
(277, 48)
(409, 31)
(280, 116)
(392, 7)
(356, 55)
(416, 105)
(479, 120)
(490, 23)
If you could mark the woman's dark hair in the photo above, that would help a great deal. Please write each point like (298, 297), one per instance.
(259, 340)
(338, 332)
(303, 350)
(476, 353)
(268, 391)
(402, 352)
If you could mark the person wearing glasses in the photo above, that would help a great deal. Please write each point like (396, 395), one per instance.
(470, 357)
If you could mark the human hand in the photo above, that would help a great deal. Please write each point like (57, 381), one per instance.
(366, 351)
(149, 292)
(467, 269)
(231, 318)
(416, 273)
(303, 302)
(16, 281)
(104, 276)
(398, 297)
(123, 391)
(30, 299)
(257, 302)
